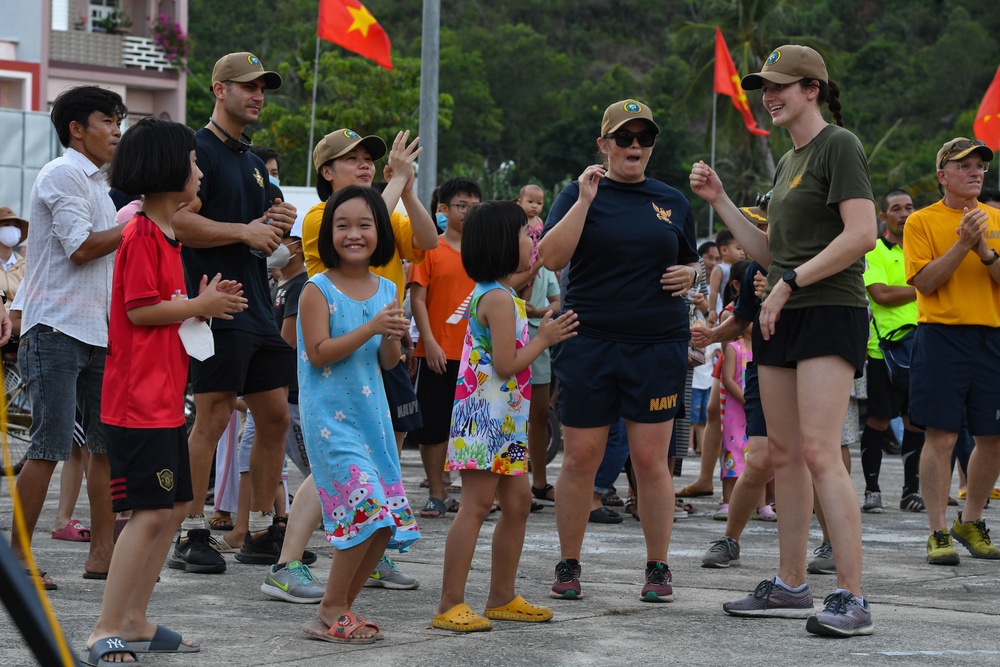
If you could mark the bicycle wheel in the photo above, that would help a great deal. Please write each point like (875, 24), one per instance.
(18, 416)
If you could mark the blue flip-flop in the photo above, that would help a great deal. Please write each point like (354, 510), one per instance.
(94, 656)
(164, 640)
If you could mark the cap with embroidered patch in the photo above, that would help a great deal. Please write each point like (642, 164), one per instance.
(622, 112)
(340, 142)
(958, 148)
(242, 67)
(788, 64)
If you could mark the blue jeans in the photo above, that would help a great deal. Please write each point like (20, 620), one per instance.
(62, 374)
(615, 454)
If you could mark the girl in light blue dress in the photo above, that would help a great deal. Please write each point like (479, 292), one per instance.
(349, 326)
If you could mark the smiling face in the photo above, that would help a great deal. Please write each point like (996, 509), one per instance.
(354, 235)
(785, 102)
(356, 167)
(627, 165)
(98, 139)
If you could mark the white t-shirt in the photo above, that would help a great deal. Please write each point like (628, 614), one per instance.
(701, 378)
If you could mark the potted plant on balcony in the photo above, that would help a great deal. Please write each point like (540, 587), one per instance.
(169, 36)
(117, 22)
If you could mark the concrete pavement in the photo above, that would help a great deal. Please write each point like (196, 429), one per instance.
(923, 614)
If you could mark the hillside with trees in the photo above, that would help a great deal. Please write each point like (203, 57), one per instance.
(524, 82)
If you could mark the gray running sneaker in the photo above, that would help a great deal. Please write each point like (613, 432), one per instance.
(293, 583)
(912, 502)
(842, 616)
(724, 552)
(388, 575)
(823, 563)
(873, 502)
(772, 601)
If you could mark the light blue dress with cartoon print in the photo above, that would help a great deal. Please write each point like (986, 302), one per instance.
(348, 430)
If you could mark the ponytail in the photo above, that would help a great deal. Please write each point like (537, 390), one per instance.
(828, 93)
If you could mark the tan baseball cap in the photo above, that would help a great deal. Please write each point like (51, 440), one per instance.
(788, 64)
(958, 148)
(7, 215)
(340, 142)
(242, 67)
(622, 112)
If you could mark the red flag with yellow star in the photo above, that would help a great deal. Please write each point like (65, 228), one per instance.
(727, 82)
(987, 123)
(349, 24)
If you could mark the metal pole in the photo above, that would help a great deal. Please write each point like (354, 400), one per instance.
(312, 119)
(711, 211)
(429, 55)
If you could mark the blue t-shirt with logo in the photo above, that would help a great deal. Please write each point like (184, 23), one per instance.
(633, 233)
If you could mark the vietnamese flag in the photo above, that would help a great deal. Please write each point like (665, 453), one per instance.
(727, 82)
(987, 123)
(349, 24)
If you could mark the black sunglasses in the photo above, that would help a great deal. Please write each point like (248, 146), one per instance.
(623, 138)
(958, 147)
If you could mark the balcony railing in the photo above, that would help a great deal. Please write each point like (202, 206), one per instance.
(107, 50)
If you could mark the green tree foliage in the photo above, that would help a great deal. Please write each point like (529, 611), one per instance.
(523, 84)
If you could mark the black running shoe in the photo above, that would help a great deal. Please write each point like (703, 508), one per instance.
(265, 548)
(195, 554)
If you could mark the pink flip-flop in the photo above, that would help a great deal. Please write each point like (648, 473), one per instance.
(73, 532)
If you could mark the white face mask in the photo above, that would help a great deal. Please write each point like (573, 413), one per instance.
(10, 236)
(279, 258)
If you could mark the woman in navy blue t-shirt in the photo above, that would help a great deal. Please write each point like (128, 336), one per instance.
(629, 241)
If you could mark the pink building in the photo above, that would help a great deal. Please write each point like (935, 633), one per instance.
(47, 46)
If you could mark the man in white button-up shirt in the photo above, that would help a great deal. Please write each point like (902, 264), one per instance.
(67, 294)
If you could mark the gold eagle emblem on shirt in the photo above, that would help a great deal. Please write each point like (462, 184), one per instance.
(257, 177)
(662, 214)
(795, 182)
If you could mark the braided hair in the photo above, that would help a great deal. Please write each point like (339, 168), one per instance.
(829, 92)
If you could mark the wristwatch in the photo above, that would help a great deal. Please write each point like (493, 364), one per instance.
(789, 277)
(992, 260)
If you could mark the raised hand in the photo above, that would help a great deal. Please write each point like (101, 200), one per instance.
(705, 182)
(555, 330)
(401, 157)
(588, 180)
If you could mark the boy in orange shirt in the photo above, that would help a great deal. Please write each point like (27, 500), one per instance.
(439, 294)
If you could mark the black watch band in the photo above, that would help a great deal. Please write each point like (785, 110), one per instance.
(789, 277)
(988, 262)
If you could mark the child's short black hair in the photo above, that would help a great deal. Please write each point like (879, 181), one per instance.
(491, 240)
(153, 156)
(723, 238)
(736, 272)
(266, 154)
(457, 186)
(705, 247)
(385, 247)
(78, 103)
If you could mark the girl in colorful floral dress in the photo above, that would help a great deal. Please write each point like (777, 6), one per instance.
(488, 439)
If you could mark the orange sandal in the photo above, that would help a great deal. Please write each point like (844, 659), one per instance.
(461, 618)
(340, 633)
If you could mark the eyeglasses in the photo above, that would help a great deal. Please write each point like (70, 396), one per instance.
(965, 167)
(460, 207)
(623, 138)
(958, 147)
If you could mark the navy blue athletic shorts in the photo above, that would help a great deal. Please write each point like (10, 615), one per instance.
(756, 426)
(953, 373)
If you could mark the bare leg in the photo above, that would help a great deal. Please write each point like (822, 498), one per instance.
(584, 448)
(748, 487)
(70, 480)
(270, 415)
(102, 519)
(434, 457)
(32, 485)
(348, 573)
(648, 445)
(213, 412)
(241, 522)
(935, 476)
(711, 445)
(478, 489)
(538, 432)
(305, 514)
(984, 466)
(508, 539)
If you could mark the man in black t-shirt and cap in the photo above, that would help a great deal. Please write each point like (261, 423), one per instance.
(230, 228)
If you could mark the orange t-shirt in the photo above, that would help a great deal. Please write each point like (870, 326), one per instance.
(449, 291)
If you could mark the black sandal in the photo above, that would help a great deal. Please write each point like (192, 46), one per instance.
(632, 507)
(543, 493)
(611, 498)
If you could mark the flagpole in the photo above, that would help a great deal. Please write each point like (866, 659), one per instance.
(312, 118)
(430, 52)
(711, 211)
